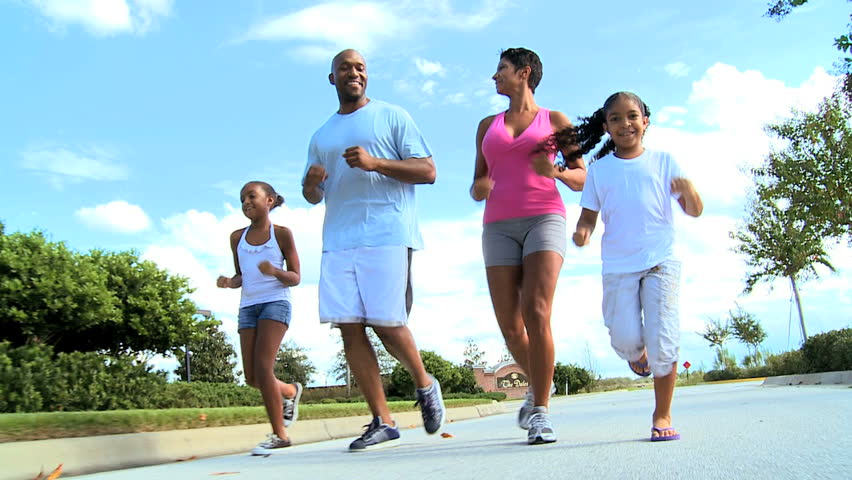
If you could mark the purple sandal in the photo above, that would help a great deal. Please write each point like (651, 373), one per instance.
(660, 437)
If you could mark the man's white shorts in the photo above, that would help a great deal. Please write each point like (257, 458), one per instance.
(369, 285)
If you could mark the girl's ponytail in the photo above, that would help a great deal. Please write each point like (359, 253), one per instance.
(583, 137)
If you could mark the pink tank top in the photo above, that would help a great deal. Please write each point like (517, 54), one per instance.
(518, 190)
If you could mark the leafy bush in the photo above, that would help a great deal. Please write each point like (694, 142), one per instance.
(727, 374)
(453, 378)
(575, 377)
(786, 363)
(32, 379)
(829, 351)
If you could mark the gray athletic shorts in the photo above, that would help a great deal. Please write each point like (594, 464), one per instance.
(507, 242)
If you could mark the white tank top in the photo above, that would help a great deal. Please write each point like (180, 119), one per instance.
(257, 287)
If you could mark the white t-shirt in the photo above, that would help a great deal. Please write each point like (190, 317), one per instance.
(367, 209)
(634, 198)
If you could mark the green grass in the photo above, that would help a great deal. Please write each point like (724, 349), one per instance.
(15, 427)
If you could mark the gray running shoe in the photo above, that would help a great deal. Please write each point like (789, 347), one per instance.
(431, 406)
(271, 445)
(377, 435)
(291, 406)
(526, 410)
(541, 429)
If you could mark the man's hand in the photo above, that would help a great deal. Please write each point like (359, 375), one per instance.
(316, 175)
(682, 186)
(224, 282)
(582, 236)
(357, 157)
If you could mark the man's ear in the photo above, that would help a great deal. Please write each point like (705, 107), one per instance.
(331, 78)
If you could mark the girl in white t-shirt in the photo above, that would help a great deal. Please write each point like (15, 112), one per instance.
(632, 189)
(260, 253)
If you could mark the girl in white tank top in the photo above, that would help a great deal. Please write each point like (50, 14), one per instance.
(261, 253)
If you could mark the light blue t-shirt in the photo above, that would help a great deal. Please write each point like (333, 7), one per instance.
(634, 197)
(367, 209)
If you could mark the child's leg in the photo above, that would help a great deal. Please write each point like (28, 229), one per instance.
(267, 342)
(659, 294)
(622, 314)
(247, 341)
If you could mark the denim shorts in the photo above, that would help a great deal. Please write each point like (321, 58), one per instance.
(278, 311)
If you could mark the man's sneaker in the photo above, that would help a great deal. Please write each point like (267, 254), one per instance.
(526, 410)
(271, 445)
(541, 430)
(431, 406)
(291, 406)
(378, 435)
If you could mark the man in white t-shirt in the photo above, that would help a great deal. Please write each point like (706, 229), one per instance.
(364, 161)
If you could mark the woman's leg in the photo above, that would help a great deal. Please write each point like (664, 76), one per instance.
(540, 273)
(504, 284)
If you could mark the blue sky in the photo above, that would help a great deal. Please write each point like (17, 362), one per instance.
(133, 124)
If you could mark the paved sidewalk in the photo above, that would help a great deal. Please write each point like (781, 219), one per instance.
(24, 460)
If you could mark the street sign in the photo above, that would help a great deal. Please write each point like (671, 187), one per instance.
(686, 365)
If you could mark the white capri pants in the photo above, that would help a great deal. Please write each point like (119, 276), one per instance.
(640, 309)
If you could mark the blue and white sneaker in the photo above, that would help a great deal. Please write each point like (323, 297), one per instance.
(378, 435)
(291, 406)
(541, 428)
(526, 410)
(431, 406)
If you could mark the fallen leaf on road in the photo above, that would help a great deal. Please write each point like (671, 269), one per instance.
(412, 426)
(187, 459)
(447, 435)
(53, 476)
(224, 473)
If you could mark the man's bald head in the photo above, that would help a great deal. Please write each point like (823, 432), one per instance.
(347, 54)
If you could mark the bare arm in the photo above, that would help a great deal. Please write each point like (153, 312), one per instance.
(292, 276)
(237, 280)
(585, 227)
(689, 199)
(482, 183)
(410, 170)
(574, 174)
(311, 184)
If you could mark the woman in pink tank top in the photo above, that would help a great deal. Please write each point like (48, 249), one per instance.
(524, 235)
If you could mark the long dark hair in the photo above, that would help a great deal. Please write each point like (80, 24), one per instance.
(588, 132)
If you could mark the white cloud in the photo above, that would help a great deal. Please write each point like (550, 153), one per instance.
(456, 98)
(428, 87)
(677, 69)
(429, 68)
(62, 166)
(498, 103)
(105, 17)
(368, 25)
(669, 114)
(118, 216)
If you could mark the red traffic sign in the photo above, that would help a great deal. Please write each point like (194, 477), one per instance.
(686, 365)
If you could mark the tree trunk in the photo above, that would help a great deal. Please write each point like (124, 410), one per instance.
(799, 307)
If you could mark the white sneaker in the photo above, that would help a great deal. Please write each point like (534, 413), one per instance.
(526, 410)
(271, 445)
(541, 428)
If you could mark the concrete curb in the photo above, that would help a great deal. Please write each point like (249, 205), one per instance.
(825, 378)
(24, 460)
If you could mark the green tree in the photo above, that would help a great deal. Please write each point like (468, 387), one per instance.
(473, 356)
(573, 376)
(97, 301)
(213, 358)
(747, 329)
(717, 334)
(340, 370)
(50, 294)
(292, 364)
(776, 244)
(778, 9)
(812, 175)
(453, 378)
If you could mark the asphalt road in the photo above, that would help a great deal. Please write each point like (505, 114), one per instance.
(736, 430)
